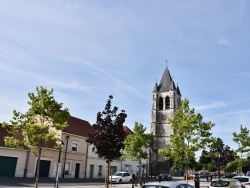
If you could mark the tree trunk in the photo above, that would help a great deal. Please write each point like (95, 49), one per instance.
(139, 169)
(38, 167)
(107, 174)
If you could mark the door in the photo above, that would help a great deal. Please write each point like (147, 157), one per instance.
(113, 169)
(44, 168)
(77, 169)
(8, 166)
(91, 171)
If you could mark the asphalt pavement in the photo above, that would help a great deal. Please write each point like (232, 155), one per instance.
(75, 183)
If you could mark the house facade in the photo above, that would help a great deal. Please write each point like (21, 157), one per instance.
(73, 155)
(78, 159)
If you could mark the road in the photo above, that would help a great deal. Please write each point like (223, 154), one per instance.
(73, 183)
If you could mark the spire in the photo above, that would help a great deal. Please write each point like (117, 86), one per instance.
(166, 81)
(178, 90)
(172, 86)
(156, 87)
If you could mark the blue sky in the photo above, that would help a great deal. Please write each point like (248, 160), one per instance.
(87, 50)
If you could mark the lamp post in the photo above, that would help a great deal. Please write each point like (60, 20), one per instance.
(58, 163)
(67, 140)
(219, 165)
(150, 162)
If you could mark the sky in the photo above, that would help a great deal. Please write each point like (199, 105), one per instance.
(87, 50)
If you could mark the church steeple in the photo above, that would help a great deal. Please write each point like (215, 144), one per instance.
(165, 101)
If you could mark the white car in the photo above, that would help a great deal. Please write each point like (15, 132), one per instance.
(120, 177)
(226, 183)
(244, 180)
(169, 184)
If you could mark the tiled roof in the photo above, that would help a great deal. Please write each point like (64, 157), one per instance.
(76, 126)
(79, 127)
(127, 130)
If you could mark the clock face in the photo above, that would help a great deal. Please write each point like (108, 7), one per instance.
(163, 117)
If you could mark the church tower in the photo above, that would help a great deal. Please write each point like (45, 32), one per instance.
(166, 100)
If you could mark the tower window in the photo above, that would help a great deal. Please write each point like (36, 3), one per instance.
(160, 103)
(167, 102)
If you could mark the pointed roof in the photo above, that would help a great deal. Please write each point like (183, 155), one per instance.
(166, 81)
(178, 90)
(172, 86)
(156, 87)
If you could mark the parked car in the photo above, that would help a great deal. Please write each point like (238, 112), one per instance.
(229, 175)
(165, 177)
(169, 184)
(203, 175)
(226, 183)
(190, 176)
(244, 180)
(120, 177)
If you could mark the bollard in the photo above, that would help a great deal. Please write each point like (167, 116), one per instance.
(197, 181)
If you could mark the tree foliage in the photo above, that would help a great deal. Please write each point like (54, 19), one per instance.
(37, 128)
(109, 136)
(219, 149)
(137, 144)
(205, 157)
(191, 134)
(236, 165)
(243, 140)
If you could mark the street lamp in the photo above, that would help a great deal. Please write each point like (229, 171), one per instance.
(67, 139)
(60, 144)
(219, 165)
(150, 162)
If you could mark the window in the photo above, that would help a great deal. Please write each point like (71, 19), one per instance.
(74, 146)
(66, 170)
(160, 103)
(99, 170)
(167, 102)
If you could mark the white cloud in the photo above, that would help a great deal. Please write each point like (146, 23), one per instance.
(223, 42)
(239, 112)
(215, 104)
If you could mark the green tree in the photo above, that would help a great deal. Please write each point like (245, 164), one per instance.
(190, 135)
(37, 128)
(232, 166)
(198, 166)
(221, 154)
(205, 157)
(243, 140)
(109, 136)
(136, 144)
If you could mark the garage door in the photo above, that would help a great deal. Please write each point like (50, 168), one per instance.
(7, 166)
